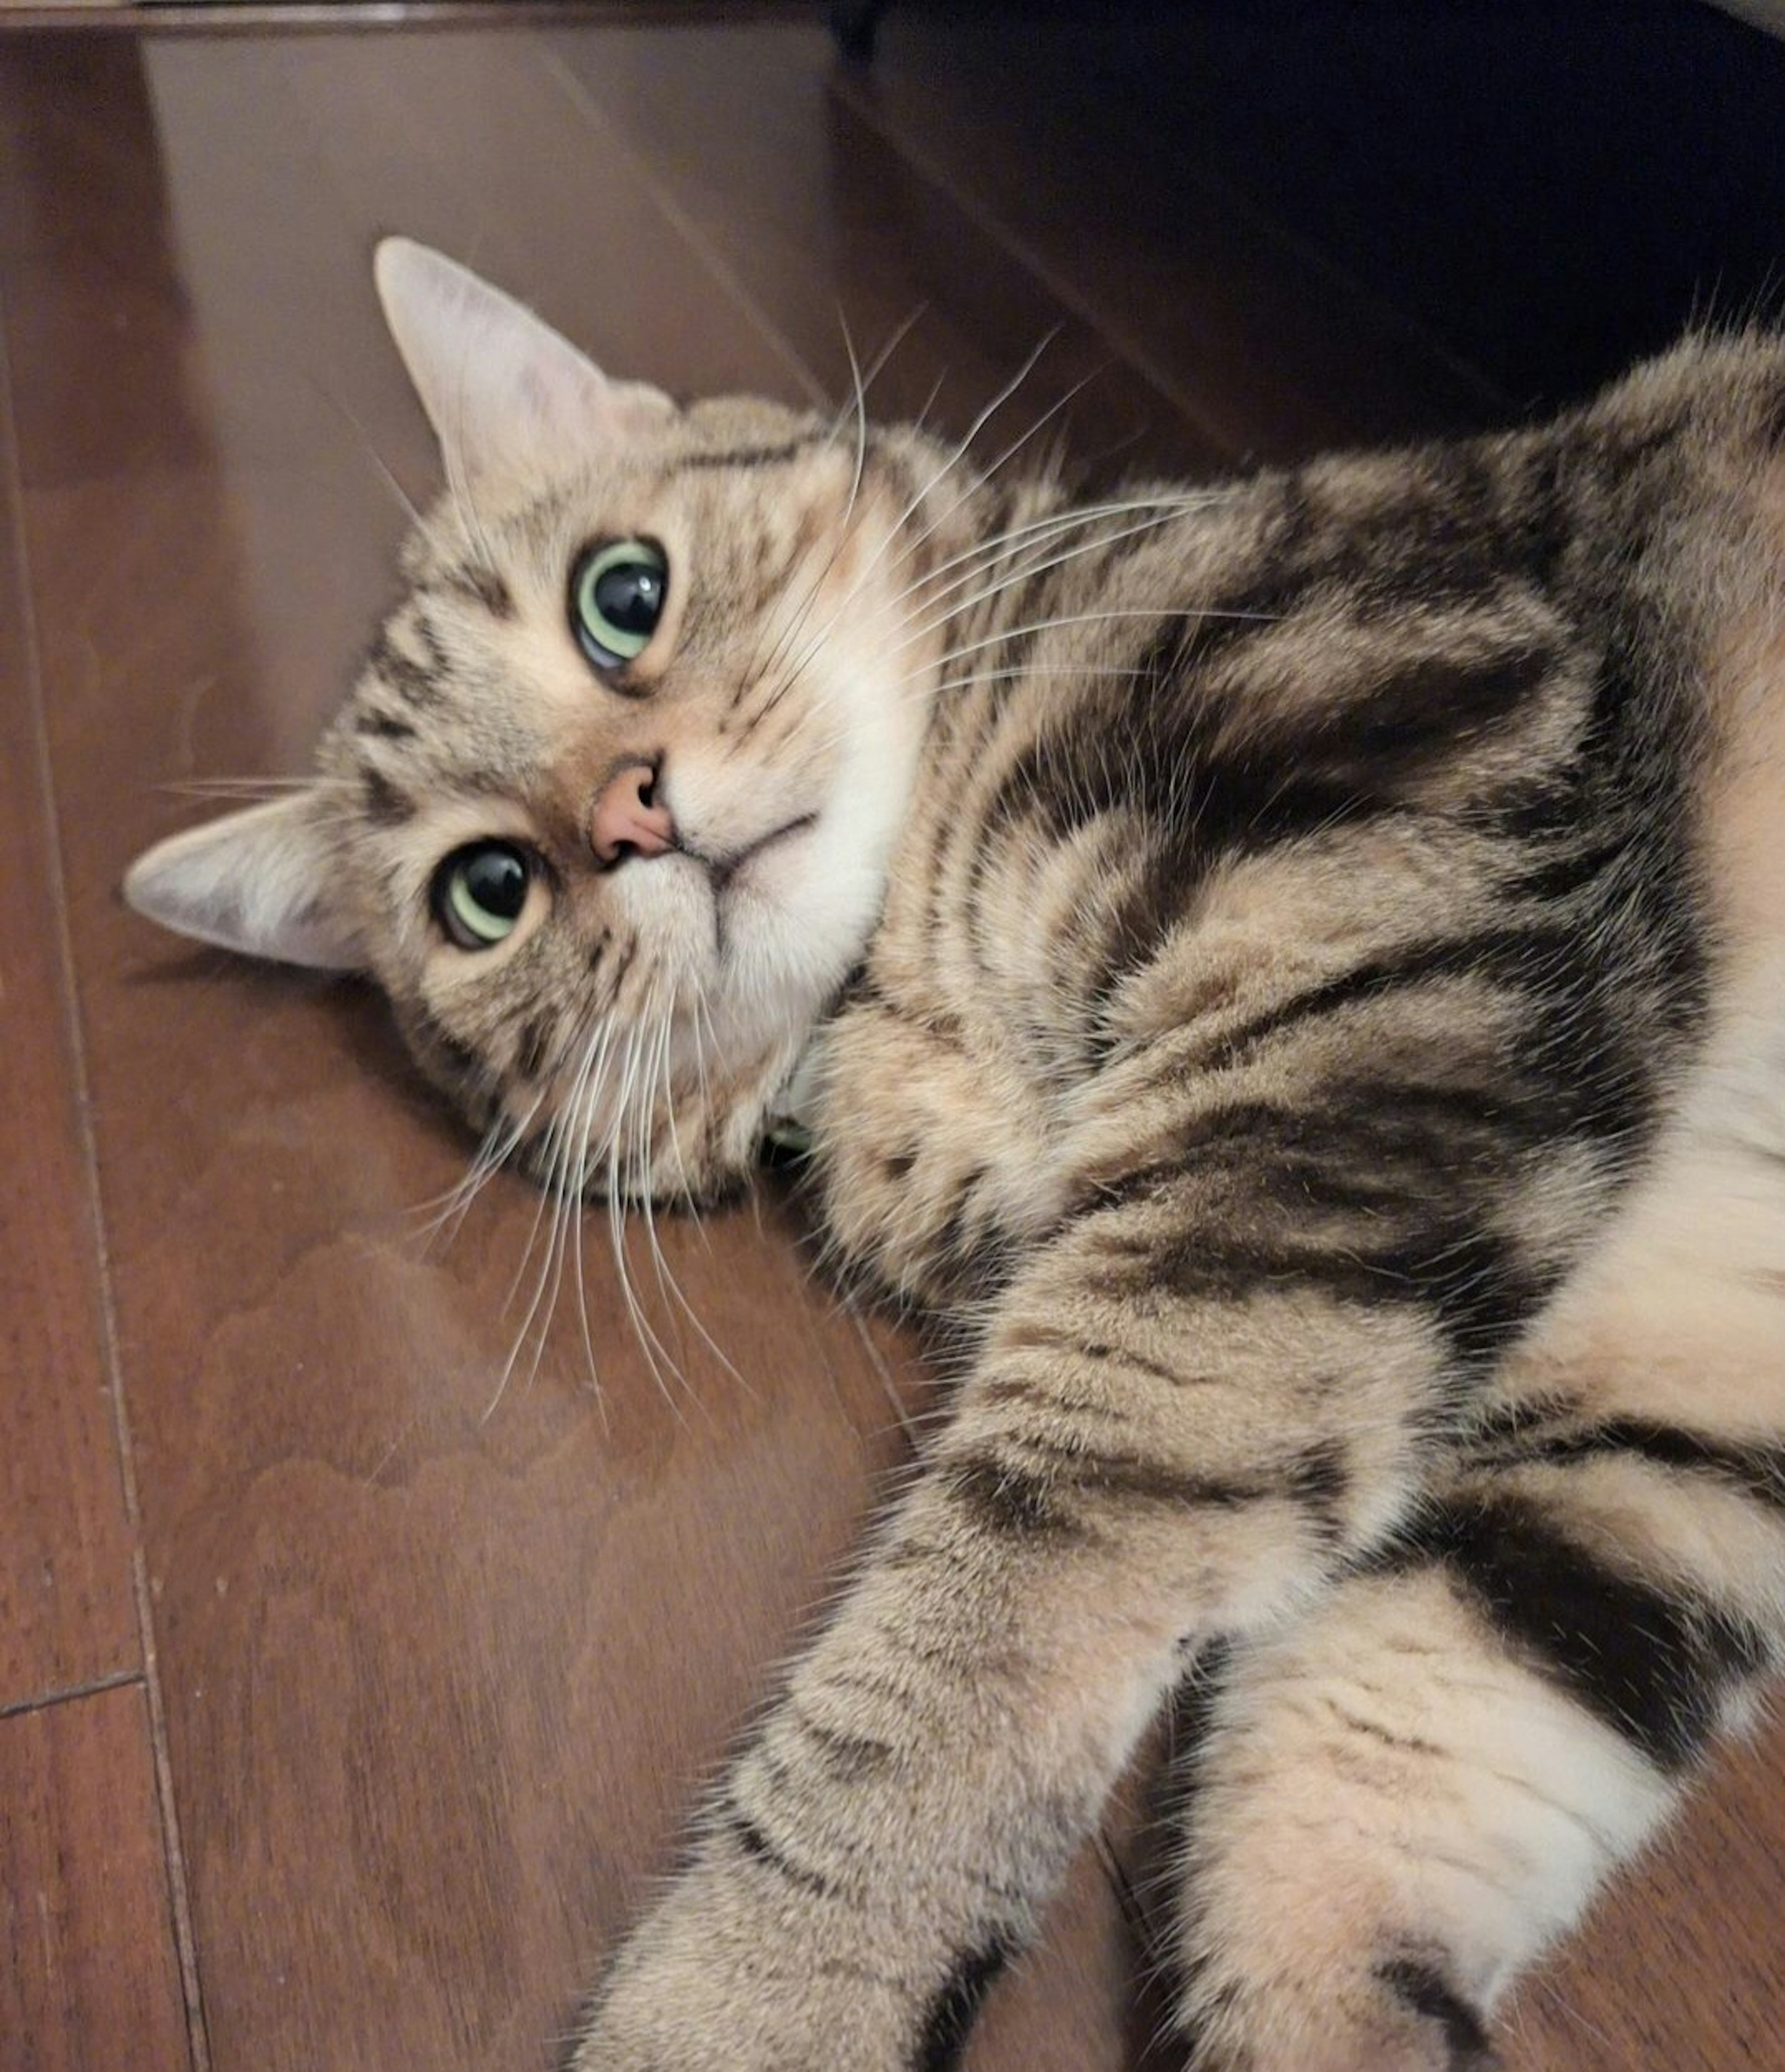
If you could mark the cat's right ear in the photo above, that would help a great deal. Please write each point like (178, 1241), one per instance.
(261, 881)
(508, 398)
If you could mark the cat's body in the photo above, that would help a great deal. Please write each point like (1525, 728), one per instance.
(1297, 974)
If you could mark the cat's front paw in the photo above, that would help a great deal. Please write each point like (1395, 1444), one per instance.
(719, 1979)
(1401, 2016)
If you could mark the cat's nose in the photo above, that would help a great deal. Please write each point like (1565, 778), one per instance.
(629, 819)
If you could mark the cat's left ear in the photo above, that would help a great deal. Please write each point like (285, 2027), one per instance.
(262, 881)
(509, 399)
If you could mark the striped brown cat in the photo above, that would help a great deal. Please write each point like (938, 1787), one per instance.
(1295, 972)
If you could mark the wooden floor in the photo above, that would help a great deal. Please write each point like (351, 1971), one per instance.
(350, 1695)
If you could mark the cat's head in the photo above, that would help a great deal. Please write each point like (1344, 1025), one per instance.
(608, 812)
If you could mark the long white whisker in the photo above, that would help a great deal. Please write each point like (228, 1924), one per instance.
(559, 1190)
(377, 459)
(590, 1108)
(233, 788)
(644, 1116)
(950, 460)
(1039, 562)
(1039, 534)
(1035, 531)
(1090, 618)
(499, 1144)
(673, 1287)
(656, 1354)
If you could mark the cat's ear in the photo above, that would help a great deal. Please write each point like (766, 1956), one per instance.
(509, 399)
(261, 881)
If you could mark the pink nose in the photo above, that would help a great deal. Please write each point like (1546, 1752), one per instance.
(628, 817)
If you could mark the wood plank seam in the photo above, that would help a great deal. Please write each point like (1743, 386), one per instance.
(590, 111)
(40, 1700)
(856, 94)
(860, 103)
(179, 1899)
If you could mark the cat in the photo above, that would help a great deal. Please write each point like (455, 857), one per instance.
(1295, 971)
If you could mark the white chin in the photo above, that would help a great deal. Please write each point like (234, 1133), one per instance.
(790, 931)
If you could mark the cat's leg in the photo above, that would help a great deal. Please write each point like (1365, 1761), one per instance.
(1389, 1814)
(1169, 1434)
(1399, 1804)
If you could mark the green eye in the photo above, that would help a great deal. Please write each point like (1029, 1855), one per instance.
(479, 892)
(617, 594)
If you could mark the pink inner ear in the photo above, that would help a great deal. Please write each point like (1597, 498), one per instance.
(533, 393)
(509, 398)
(254, 882)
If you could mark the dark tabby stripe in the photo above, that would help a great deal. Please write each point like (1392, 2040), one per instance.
(481, 586)
(851, 1758)
(955, 2008)
(625, 965)
(748, 457)
(385, 802)
(441, 1048)
(1043, 1396)
(1419, 712)
(1523, 955)
(1044, 1495)
(772, 581)
(1755, 1471)
(1319, 1479)
(385, 725)
(950, 1240)
(415, 683)
(756, 1845)
(1654, 1663)
(1051, 1341)
(1410, 1181)
(1419, 1983)
(534, 1048)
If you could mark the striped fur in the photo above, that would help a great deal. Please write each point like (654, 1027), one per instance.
(1320, 1033)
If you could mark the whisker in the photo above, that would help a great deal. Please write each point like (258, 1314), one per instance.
(656, 1354)
(378, 461)
(498, 1143)
(1039, 561)
(665, 1274)
(589, 1112)
(556, 1196)
(233, 788)
(953, 460)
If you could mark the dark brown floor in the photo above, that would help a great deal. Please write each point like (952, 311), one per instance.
(347, 1708)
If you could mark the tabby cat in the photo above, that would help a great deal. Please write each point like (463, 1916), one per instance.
(1296, 972)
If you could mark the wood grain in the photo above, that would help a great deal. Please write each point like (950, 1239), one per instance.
(89, 1978)
(445, 1657)
(1680, 1964)
(67, 1614)
(754, 141)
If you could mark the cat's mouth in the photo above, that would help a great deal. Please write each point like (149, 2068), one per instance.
(725, 867)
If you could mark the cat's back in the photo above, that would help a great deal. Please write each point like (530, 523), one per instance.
(1481, 743)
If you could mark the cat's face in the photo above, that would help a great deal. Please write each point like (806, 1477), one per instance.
(609, 811)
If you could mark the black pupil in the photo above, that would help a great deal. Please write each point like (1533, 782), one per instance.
(496, 880)
(629, 596)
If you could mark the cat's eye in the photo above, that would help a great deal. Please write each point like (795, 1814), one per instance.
(617, 594)
(479, 891)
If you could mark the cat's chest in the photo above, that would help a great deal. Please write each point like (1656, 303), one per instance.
(952, 1080)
